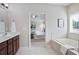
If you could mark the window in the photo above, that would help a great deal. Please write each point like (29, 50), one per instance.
(74, 23)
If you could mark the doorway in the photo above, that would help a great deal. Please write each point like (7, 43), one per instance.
(37, 30)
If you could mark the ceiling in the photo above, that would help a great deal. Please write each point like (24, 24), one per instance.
(62, 4)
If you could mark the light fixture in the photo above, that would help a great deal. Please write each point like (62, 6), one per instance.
(34, 16)
(6, 4)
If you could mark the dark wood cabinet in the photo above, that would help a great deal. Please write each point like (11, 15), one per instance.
(3, 51)
(9, 47)
(15, 44)
(3, 48)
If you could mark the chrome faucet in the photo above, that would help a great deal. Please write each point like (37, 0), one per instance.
(5, 33)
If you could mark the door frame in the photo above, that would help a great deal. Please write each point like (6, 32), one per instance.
(29, 40)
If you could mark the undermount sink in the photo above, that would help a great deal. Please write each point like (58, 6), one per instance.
(5, 34)
(8, 34)
(2, 34)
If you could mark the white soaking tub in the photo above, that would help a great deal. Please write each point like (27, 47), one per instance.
(69, 42)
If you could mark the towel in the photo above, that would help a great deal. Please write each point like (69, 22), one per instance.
(65, 48)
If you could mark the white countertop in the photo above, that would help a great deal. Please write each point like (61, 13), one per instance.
(8, 36)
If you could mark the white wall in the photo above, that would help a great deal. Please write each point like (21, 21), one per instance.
(53, 31)
(73, 9)
(20, 13)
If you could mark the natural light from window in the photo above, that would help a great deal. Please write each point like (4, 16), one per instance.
(74, 23)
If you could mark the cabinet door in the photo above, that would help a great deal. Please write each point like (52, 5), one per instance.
(15, 44)
(3, 51)
(3, 48)
(10, 47)
(17, 39)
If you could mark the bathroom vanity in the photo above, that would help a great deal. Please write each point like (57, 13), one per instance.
(9, 40)
(9, 44)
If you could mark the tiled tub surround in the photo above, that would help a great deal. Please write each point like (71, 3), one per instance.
(9, 44)
(65, 46)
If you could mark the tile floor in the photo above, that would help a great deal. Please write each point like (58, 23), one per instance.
(38, 48)
(35, 51)
(38, 43)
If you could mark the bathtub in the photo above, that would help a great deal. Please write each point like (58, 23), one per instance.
(70, 42)
(57, 44)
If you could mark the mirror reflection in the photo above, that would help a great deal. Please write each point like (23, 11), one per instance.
(3, 20)
(2, 25)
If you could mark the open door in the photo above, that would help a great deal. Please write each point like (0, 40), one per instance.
(36, 30)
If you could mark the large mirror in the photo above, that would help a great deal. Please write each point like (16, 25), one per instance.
(3, 20)
(2, 25)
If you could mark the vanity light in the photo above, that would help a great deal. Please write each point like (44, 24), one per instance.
(4, 4)
(34, 16)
